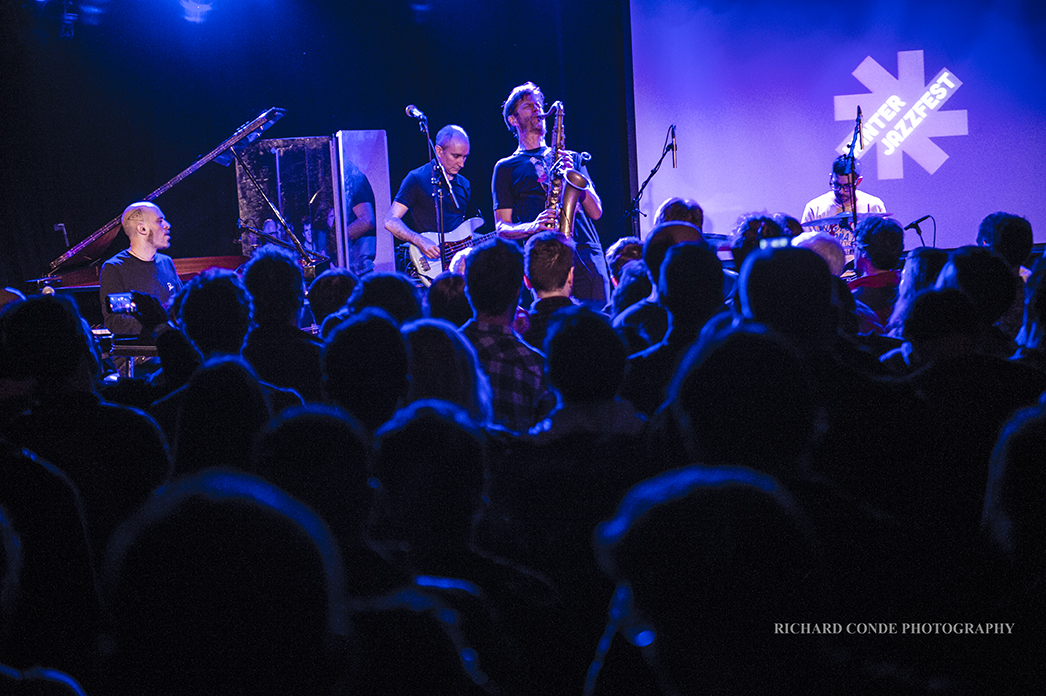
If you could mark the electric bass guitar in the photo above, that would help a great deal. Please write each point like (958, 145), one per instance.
(454, 241)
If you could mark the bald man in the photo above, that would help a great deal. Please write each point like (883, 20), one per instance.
(141, 267)
(415, 195)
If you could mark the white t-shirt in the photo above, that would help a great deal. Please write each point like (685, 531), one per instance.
(825, 205)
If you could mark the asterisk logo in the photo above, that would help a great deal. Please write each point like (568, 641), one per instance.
(901, 114)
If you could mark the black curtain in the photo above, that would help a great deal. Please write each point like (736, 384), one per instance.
(100, 119)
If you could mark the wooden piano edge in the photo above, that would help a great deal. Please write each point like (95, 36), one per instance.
(87, 276)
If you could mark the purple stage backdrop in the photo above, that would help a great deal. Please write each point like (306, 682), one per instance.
(764, 95)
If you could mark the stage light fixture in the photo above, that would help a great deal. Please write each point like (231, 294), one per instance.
(196, 12)
(68, 21)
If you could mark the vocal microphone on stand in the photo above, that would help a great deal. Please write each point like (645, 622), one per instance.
(675, 162)
(914, 225)
(860, 127)
(415, 112)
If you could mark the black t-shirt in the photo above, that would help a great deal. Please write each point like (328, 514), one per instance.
(521, 183)
(124, 273)
(357, 190)
(416, 194)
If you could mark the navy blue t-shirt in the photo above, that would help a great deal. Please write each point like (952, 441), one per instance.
(416, 194)
(520, 182)
(124, 273)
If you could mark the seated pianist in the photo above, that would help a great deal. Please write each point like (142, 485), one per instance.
(142, 270)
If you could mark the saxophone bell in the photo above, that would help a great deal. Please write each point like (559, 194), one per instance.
(575, 184)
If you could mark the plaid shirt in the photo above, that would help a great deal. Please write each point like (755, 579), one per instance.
(516, 372)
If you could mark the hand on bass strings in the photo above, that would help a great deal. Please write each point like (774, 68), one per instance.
(429, 249)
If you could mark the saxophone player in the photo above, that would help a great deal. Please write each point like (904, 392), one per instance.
(520, 190)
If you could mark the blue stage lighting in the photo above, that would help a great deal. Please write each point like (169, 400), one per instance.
(196, 12)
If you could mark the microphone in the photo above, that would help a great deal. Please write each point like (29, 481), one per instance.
(860, 130)
(414, 112)
(915, 225)
(675, 162)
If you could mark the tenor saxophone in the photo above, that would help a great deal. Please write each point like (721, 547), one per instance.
(565, 185)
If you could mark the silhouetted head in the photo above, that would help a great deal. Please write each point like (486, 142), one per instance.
(276, 284)
(493, 277)
(393, 292)
(702, 556)
(586, 357)
(922, 265)
(1014, 520)
(745, 397)
(45, 339)
(691, 284)
(881, 241)
(825, 245)
(329, 292)
(942, 323)
(790, 290)
(749, 232)
(1009, 236)
(621, 252)
(634, 286)
(1034, 328)
(661, 239)
(443, 365)
(984, 277)
(788, 224)
(430, 463)
(215, 312)
(365, 367)
(319, 454)
(446, 299)
(221, 412)
(223, 583)
(680, 210)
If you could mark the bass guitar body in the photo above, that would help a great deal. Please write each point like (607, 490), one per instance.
(454, 241)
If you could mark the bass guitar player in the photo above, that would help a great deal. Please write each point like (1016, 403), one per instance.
(416, 195)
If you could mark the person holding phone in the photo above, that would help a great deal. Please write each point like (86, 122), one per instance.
(142, 270)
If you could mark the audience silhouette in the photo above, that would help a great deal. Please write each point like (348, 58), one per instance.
(658, 499)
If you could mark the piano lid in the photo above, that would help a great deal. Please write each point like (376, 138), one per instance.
(90, 250)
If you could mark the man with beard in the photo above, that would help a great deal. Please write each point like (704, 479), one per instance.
(840, 200)
(520, 189)
(140, 268)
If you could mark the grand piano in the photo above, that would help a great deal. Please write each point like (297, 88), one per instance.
(76, 271)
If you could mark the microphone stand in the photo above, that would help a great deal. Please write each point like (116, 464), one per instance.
(439, 180)
(852, 189)
(308, 258)
(858, 133)
(315, 256)
(634, 211)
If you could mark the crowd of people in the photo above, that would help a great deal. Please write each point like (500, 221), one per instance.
(761, 480)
